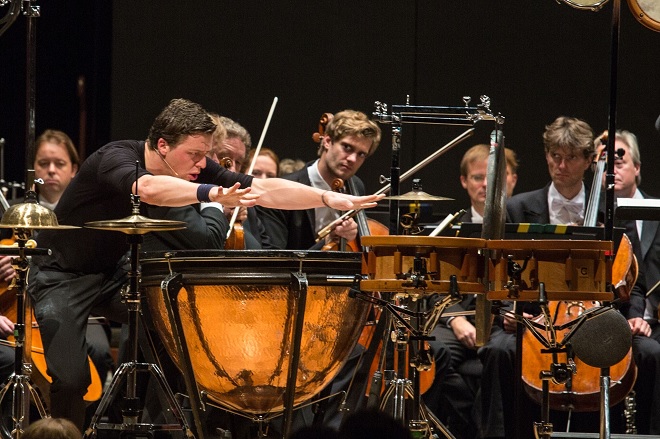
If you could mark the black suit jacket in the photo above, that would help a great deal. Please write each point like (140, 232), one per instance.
(648, 259)
(294, 229)
(529, 207)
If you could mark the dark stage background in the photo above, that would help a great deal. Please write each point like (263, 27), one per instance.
(536, 60)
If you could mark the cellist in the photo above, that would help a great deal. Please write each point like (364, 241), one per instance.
(569, 152)
(642, 313)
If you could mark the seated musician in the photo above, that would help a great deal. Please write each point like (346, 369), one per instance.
(642, 313)
(56, 162)
(267, 164)
(235, 146)
(349, 139)
(88, 268)
(455, 394)
(569, 151)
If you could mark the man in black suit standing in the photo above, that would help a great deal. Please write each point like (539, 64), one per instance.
(642, 313)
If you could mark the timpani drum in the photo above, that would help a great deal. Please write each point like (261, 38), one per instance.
(237, 312)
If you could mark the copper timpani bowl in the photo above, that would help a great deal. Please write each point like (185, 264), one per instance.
(237, 313)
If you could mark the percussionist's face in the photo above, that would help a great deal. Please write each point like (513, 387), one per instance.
(188, 158)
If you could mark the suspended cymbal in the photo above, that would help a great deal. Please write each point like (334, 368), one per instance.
(417, 196)
(31, 215)
(137, 225)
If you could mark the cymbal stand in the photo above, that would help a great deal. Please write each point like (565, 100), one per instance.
(409, 338)
(131, 410)
(22, 388)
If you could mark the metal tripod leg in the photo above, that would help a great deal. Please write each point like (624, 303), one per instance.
(131, 412)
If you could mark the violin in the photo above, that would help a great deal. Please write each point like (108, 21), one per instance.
(582, 390)
(235, 237)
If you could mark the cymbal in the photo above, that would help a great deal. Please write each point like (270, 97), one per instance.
(31, 215)
(417, 196)
(137, 225)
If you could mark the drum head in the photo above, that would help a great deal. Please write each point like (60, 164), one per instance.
(589, 5)
(646, 12)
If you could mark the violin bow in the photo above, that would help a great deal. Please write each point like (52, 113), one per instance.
(254, 160)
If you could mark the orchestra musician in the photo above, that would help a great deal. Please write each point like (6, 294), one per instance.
(88, 267)
(569, 151)
(56, 162)
(267, 164)
(350, 137)
(642, 314)
(456, 392)
(234, 145)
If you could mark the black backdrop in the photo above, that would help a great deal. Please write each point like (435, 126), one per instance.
(535, 60)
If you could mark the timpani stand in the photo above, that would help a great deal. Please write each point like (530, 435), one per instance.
(552, 270)
(412, 269)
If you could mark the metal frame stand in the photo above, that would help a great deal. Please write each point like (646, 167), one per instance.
(131, 412)
(410, 339)
(22, 388)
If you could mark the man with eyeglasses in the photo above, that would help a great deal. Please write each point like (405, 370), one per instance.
(474, 168)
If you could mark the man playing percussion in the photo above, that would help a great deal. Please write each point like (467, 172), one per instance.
(88, 267)
(569, 150)
(642, 314)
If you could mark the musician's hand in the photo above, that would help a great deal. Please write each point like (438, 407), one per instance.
(7, 272)
(510, 321)
(242, 213)
(6, 326)
(639, 326)
(233, 196)
(464, 331)
(347, 229)
(339, 201)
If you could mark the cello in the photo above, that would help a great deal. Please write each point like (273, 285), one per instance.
(581, 393)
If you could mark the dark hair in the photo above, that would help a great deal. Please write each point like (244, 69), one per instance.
(180, 118)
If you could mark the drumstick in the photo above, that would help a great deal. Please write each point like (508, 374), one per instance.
(446, 222)
(254, 159)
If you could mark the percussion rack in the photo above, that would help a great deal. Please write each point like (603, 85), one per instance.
(466, 116)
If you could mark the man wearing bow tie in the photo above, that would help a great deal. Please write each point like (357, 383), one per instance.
(569, 150)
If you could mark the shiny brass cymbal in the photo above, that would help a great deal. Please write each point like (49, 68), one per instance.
(137, 225)
(31, 215)
(417, 196)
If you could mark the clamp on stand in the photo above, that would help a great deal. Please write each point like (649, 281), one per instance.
(409, 339)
